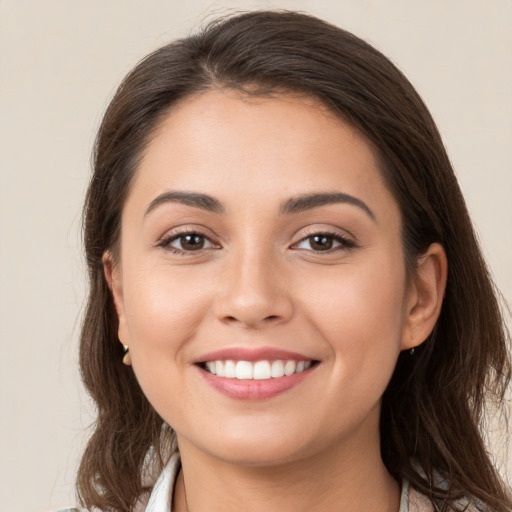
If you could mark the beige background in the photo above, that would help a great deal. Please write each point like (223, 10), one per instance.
(60, 61)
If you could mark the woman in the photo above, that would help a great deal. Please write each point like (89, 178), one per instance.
(280, 255)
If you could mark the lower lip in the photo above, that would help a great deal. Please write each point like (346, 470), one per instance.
(255, 389)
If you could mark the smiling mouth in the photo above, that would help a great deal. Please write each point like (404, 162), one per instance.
(257, 370)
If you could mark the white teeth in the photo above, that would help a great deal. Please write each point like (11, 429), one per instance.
(277, 369)
(244, 370)
(259, 370)
(230, 369)
(219, 368)
(290, 367)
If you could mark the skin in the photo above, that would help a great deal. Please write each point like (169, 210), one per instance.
(259, 281)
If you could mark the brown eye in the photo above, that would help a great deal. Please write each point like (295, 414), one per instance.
(325, 242)
(321, 242)
(189, 242)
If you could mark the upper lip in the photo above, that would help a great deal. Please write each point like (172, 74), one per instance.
(252, 355)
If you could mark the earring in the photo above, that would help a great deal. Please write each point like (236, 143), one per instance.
(413, 349)
(127, 359)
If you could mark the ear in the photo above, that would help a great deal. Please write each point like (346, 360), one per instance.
(112, 273)
(425, 296)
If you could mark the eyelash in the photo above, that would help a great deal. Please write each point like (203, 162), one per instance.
(344, 242)
(165, 243)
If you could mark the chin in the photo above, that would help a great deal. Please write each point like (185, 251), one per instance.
(257, 446)
(255, 456)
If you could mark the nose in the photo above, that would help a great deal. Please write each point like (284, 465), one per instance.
(254, 292)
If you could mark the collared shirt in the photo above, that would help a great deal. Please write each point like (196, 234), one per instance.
(161, 496)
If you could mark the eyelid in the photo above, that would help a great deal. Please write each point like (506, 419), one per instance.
(346, 241)
(173, 234)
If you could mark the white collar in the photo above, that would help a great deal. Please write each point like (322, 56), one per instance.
(161, 496)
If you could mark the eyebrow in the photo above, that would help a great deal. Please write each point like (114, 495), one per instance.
(194, 199)
(291, 206)
(310, 201)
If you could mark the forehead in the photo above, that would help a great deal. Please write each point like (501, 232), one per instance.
(229, 144)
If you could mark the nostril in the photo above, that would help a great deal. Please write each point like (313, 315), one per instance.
(269, 319)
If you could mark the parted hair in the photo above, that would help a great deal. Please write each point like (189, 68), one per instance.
(433, 411)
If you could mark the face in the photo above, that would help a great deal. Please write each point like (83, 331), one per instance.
(261, 283)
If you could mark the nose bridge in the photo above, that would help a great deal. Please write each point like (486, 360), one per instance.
(253, 289)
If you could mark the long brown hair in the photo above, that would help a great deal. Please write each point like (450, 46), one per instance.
(433, 408)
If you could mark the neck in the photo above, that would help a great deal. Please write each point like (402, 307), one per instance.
(344, 478)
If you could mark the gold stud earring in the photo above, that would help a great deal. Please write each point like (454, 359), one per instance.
(127, 359)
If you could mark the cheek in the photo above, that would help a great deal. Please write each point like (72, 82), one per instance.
(360, 315)
(163, 307)
(163, 311)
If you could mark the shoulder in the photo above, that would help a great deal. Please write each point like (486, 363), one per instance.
(420, 503)
(138, 508)
(72, 509)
